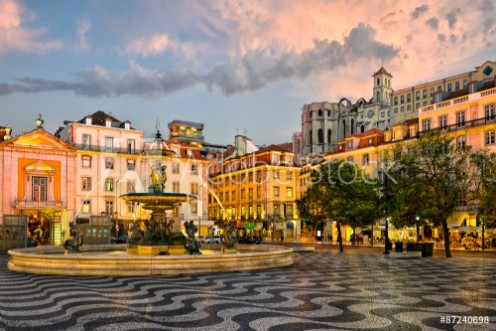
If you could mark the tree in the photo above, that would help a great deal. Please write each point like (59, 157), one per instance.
(341, 192)
(432, 177)
(484, 186)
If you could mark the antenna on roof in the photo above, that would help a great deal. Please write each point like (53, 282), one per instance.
(244, 132)
(237, 131)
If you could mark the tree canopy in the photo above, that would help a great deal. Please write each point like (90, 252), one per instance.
(341, 192)
(430, 178)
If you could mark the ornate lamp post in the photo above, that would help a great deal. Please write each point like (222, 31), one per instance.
(384, 180)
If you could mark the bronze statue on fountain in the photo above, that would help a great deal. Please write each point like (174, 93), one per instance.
(156, 233)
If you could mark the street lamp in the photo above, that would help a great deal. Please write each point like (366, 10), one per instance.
(417, 219)
(384, 180)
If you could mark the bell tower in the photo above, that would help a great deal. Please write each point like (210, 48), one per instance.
(383, 90)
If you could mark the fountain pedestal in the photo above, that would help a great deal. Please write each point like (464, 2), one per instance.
(148, 250)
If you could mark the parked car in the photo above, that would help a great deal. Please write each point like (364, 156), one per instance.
(245, 236)
(211, 239)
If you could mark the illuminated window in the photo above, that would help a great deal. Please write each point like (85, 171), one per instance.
(86, 207)
(86, 184)
(109, 184)
(86, 161)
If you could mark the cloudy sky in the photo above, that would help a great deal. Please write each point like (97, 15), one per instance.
(236, 66)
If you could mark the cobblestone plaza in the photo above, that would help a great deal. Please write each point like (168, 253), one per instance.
(323, 290)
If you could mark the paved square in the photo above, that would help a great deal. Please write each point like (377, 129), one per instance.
(323, 290)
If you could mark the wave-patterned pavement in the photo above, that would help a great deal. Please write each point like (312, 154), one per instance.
(323, 290)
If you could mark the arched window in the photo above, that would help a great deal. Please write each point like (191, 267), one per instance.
(362, 128)
(320, 112)
(352, 126)
(311, 138)
(320, 136)
(344, 128)
(329, 136)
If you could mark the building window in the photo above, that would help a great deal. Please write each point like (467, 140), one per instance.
(233, 195)
(109, 163)
(175, 187)
(250, 194)
(276, 191)
(194, 209)
(460, 142)
(402, 99)
(86, 207)
(175, 168)
(490, 137)
(86, 161)
(417, 95)
(276, 174)
(243, 194)
(402, 109)
(396, 110)
(289, 175)
(86, 184)
(259, 192)
(86, 141)
(131, 164)
(365, 160)
(426, 125)
(395, 101)
(250, 177)
(383, 114)
(349, 144)
(39, 186)
(131, 145)
(409, 107)
(350, 160)
(371, 141)
(227, 196)
(131, 207)
(424, 93)
(443, 122)
(464, 83)
(457, 85)
(109, 144)
(109, 184)
(460, 118)
(431, 91)
(109, 207)
(417, 105)
(289, 192)
(408, 97)
(489, 112)
(275, 158)
(449, 87)
(194, 169)
(194, 188)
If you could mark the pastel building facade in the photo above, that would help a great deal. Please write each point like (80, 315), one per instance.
(38, 179)
(258, 191)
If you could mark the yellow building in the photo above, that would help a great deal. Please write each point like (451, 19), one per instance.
(257, 190)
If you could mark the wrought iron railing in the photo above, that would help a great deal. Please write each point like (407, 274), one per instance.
(462, 126)
(115, 150)
(31, 204)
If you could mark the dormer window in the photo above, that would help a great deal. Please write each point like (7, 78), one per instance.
(89, 121)
(371, 141)
(349, 144)
(108, 123)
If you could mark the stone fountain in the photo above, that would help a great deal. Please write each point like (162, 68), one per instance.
(156, 236)
(154, 249)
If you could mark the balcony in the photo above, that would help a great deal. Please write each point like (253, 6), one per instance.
(115, 150)
(466, 125)
(31, 204)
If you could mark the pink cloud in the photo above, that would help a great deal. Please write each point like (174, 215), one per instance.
(15, 37)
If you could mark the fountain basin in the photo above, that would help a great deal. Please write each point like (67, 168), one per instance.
(113, 260)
